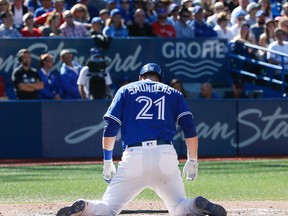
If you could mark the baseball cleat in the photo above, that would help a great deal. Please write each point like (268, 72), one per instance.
(209, 208)
(76, 209)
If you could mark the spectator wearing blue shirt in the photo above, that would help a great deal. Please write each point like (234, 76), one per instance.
(183, 30)
(200, 27)
(50, 78)
(6, 28)
(206, 91)
(46, 7)
(115, 26)
(69, 73)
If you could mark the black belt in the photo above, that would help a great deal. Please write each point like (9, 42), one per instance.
(159, 142)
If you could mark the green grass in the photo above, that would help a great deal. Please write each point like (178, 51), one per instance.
(218, 180)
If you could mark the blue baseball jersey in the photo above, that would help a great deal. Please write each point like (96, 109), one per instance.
(147, 110)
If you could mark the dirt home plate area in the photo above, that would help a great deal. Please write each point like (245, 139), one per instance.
(234, 208)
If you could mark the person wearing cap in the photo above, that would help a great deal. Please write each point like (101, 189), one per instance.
(251, 9)
(111, 4)
(29, 30)
(6, 28)
(241, 8)
(18, 9)
(160, 27)
(186, 3)
(258, 28)
(69, 73)
(280, 46)
(93, 72)
(51, 90)
(237, 90)
(26, 80)
(115, 27)
(71, 28)
(200, 27)
(173, 13)
(139, 27)
(183, 30)
(96, 26)
(104, 15)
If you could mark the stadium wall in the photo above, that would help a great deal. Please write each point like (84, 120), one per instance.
(73, 129)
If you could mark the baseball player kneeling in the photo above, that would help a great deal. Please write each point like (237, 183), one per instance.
(147, 112)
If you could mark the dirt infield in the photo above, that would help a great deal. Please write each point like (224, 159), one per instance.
(137, 208)
(234, 208)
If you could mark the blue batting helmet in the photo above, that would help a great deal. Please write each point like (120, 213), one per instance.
(152, 68)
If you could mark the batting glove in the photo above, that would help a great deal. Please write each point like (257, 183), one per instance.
(190, 169)
(109, 170)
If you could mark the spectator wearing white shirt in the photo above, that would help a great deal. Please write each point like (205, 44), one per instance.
(221, 28)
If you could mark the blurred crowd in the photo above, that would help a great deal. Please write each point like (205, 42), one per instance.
(259, 22)
(149, 18)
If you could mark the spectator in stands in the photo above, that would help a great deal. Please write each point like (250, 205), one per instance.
(32, 5)
(71, 28)
(240, 9)
(206, 91)
(80, 14)
(4, 7)
(183, 30)
(232, 5)
(29, 30)
(104, 15)
(58, 7)
(93, 7)
(236, 27)
(18, 9)
(252, 9)
(2, 89)
(139, 27)
(6, 28)
(174, 13)
(186, 3)
(161, 28)
(69, 73)
(283, 24)
(26, 80)
(150, 13)
(207, 6)
(265, 6)
(258, 28)
(115, 26)
(126, 12)
(280, 46)
(237, 90)
(268, 36)
(284, 12)
(49, 78)
(51, 27)
(111, 4)
(96, 26)
(222, 27)
(47, 6)
(217, 8)
(177, 84)
(200, 27)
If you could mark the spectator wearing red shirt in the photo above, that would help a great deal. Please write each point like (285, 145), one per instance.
(29, 30)
(59, 7)
(161, 28)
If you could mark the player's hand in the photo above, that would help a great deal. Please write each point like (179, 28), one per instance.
(109, 170)
(190, 169)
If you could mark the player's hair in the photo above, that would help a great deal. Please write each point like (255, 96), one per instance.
(20, 54)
